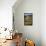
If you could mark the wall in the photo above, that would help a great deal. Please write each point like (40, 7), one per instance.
(6, 13)
(30, 32)
(43, 22)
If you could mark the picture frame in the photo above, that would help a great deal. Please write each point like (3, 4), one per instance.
(28, 19)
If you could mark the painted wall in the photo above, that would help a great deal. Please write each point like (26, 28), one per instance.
(6, 13)
(43, 22)
(29, 32)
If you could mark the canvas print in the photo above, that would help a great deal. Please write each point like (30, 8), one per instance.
(28, 18)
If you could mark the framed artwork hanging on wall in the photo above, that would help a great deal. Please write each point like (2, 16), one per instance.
(28, 19)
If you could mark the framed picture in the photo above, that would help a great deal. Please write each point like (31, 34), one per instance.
(28, 19)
